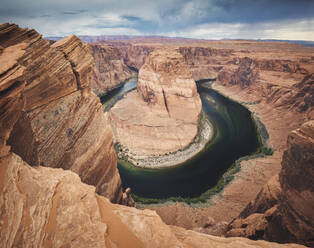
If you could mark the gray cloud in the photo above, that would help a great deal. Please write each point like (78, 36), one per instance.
(167, 17)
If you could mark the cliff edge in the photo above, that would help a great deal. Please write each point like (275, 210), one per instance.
(283, 211)
(58, 121)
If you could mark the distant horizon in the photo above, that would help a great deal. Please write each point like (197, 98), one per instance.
(179, 37)
(306, 43)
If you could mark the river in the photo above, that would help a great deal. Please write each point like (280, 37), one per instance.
(235, 136)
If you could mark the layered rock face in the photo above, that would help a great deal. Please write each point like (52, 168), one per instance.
(283, 210)
(134, 55)
(294, 91)
(163, 114)
(51, 207)
(48, 207)
(166, 83)
(46, 89)
(110, 69)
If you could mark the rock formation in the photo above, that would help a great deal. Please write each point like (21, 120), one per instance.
(134, 55)
(49, 207)
(110, 70)
(273, 79)
(162, 116)
(59, 121)
(284, 210)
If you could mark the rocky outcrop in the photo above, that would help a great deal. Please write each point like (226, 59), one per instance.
(166, 83)
(44, 94)
(48, 207)
(259, 76)
(134, 55)
(162, 116)
(46, 89)
(283, 210)
(244, 76)
(51, 207)
(205, 62)
(110, 69)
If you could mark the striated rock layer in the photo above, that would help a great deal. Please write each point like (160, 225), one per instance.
(110, 69)
(59, 121)
(48, 207)
(162, 116)
(284, 210)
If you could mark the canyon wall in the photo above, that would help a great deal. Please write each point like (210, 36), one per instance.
(134, 55)
(273, 80)
(275, 70)
(110, 69)
(283, 209)
(51, 207)
(59, 121)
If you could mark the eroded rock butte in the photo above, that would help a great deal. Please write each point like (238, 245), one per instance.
(163, 115)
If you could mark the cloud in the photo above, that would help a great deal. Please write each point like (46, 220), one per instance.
(75, 12)
(282, 30)
(132, 18)
(192, 18)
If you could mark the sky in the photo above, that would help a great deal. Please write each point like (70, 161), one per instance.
(204, 19)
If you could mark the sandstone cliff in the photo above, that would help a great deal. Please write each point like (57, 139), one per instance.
(48, 207)
(163, 114)
(59, 121)
(110, 69)
(165, 82)
(134, 55)
(51, 207)
(283, 84)
(283, 210)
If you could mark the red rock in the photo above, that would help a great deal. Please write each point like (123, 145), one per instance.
(48, 105)
(287, 215)
(163, 115)
(110, 69)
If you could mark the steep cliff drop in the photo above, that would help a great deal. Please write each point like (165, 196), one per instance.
(163, 115)
(51, 207)
(60, 122)
(283, 211)
(110, 70)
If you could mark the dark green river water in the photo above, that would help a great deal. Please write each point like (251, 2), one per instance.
(235, 136)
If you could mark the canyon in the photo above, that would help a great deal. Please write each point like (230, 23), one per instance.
(58, 167)
(272, 79)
